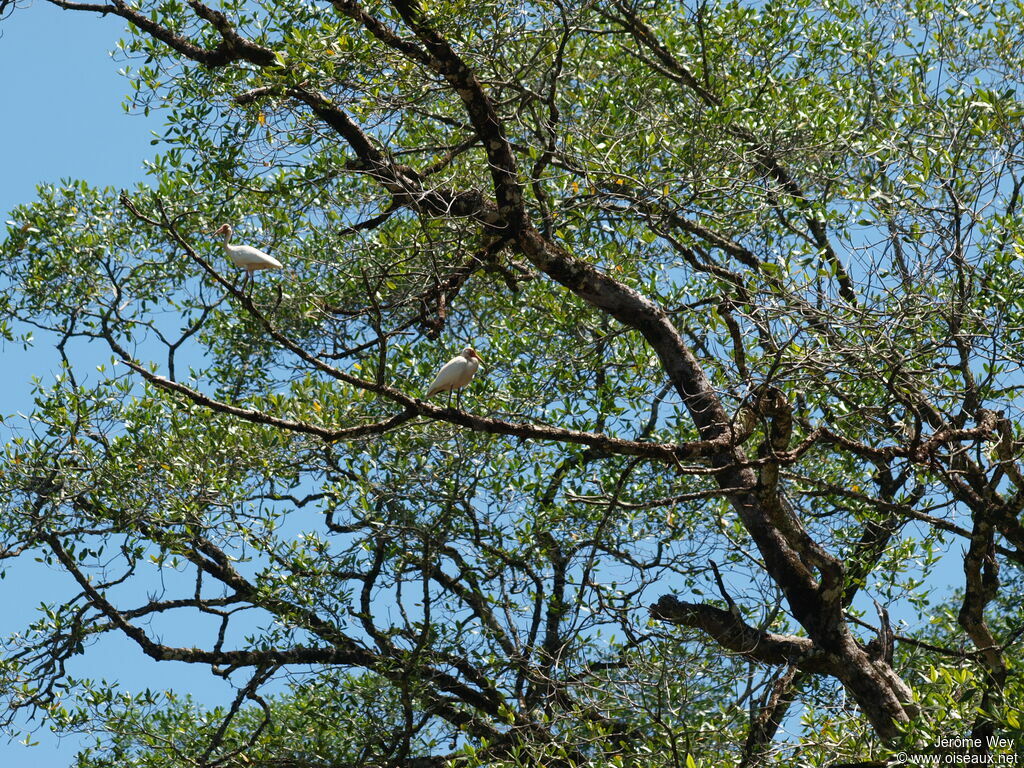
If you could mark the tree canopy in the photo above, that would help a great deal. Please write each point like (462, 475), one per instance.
(746, 282)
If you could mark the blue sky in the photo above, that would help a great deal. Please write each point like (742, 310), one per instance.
(62, 98)
(63, 118)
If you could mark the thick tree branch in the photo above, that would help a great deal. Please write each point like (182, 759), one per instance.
(233, 47)
(730, 631)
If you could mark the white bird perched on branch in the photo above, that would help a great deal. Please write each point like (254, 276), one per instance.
(455, 374)
(245, 256)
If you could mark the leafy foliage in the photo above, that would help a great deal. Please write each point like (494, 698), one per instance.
(746, 282)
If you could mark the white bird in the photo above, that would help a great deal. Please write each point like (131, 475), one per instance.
(455, 374)
(245, 256)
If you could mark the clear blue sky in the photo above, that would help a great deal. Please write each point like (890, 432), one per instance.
(62, 104)
(62, 117)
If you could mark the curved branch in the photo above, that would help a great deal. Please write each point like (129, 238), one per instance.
(666, 452)
(731, 632)
(233, 47)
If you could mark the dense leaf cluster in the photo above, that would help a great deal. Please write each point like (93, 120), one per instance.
(746, 281)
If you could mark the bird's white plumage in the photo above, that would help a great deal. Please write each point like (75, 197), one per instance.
(245, 256)
(456, 373)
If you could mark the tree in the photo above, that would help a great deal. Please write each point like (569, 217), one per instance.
(745, 281)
